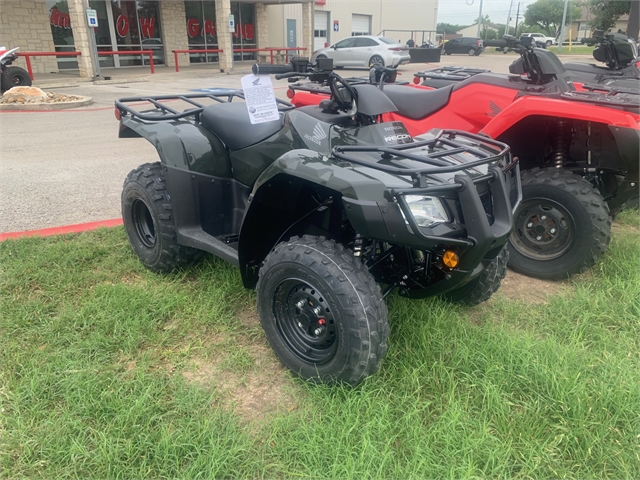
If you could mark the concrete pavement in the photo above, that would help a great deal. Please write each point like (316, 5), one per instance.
(67, 167)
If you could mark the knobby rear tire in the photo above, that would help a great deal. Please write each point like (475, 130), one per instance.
(147, 215)
(15, 77)
(561, 227)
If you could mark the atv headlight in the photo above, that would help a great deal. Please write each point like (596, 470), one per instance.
(426, 210)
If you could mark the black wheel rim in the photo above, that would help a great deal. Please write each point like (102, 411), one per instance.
(304, 321)
(376, 61)
(143, 223)
(17, 80)
(544, 229)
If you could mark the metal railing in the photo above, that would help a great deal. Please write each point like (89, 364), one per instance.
(28, 55)
(270, 50)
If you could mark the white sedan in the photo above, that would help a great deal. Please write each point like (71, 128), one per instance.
(365, 51)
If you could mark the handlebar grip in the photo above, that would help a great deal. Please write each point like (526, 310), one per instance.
(268, 69)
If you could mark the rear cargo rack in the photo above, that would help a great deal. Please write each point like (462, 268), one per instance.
(625, 98)
(163, 112)
(450, 73)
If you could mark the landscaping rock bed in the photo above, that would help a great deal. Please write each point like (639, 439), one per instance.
(33, 98)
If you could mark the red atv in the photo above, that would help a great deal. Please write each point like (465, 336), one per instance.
(12, 76)
(578, 152)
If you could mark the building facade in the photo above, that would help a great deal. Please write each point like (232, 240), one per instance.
(334, 20)
(166, 25)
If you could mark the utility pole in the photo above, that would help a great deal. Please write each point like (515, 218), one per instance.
(506, 29)
(480, 19)
(564, 19)
(517, 18)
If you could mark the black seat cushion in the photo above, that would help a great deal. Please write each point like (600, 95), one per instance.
(417, 103)
(231, 123)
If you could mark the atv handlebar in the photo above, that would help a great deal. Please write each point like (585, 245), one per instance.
(280, 76)
(268, 69)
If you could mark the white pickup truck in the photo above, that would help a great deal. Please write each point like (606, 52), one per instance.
(541, 38)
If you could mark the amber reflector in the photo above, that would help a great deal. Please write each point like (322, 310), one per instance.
(450, 259)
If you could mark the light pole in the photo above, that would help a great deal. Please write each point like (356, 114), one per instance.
(506, 29)
(480, 19)
(564, 19)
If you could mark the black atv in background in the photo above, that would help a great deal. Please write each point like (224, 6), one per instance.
(12, 76)
(620, 55)
(618, 52)
(319, 209)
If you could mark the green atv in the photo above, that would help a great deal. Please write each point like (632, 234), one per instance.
(325, 211)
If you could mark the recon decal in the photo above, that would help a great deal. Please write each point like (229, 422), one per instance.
(318, 134)
(401, 138)
(396, 134)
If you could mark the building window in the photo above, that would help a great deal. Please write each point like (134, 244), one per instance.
(202, 34)
(123, 25)
(137, 27)
(61, 32)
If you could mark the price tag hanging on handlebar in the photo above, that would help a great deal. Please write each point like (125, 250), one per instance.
(260, 98)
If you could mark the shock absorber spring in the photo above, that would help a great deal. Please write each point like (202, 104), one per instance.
(561, 145)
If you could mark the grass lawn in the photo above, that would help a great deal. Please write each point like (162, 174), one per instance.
(110, 371)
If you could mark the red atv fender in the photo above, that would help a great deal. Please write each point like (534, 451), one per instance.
(528, 106)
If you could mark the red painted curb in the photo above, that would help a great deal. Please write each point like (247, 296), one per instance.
(47, 232)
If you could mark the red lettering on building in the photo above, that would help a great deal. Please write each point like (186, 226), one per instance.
(193, 27)
(209, 29)
(248, 31)
(147, 26)
(59, 19)
(244, 30)
(122, 26)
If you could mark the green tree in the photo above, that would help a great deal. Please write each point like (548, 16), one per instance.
(488, 34)
(547, 14)
(502, 28)
(485, 20)
(449, 28)
(605, 13)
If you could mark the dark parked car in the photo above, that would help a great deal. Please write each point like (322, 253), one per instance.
(469, 45)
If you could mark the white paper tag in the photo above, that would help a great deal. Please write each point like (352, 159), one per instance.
(260, 98)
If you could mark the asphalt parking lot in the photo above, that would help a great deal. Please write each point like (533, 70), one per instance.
(66, 167)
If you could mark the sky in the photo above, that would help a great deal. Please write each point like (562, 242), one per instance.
(465, 12)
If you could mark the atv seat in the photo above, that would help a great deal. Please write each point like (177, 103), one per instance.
(230, 122)
(417, 103)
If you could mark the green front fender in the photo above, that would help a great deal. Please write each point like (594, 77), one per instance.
(285, 200)
(356, 183)
(181, 144)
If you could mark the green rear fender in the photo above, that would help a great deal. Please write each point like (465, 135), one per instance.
(285, 200)
(181, 144)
